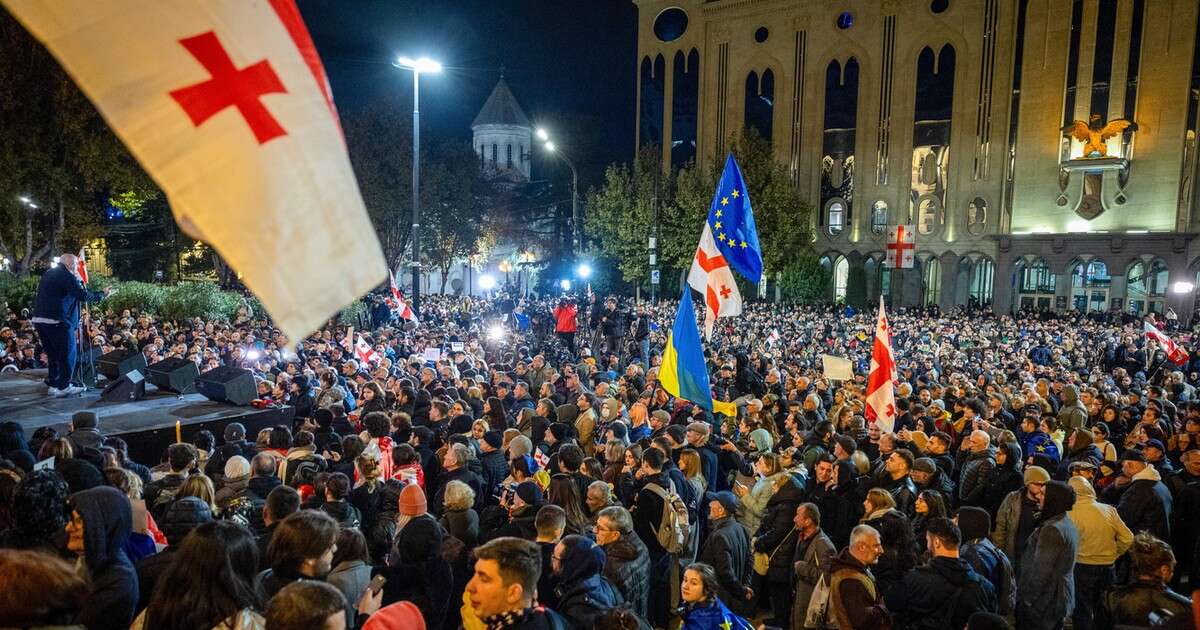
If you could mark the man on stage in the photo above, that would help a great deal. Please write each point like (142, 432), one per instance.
(56, 318)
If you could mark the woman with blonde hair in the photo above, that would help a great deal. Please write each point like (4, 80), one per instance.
(459, 518)
(201, 487)
(896, 534)
(614, 458)
(689, 465)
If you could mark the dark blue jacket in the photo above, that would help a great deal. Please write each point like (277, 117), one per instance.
(107, 521)
(59, 295)
(712, 615)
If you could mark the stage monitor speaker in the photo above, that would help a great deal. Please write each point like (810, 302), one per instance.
(227, 384)
(129, 387)
(174, 375)
(118, 363)
(85, 366)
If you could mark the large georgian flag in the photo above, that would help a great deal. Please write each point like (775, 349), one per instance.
(1174, 352)
(881, 395)
(226, 105)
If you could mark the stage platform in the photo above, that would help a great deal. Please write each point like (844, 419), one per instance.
(147, 425)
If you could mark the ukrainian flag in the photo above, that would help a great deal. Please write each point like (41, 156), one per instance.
(683, 373)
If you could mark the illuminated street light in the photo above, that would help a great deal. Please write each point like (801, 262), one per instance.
(1182, 287)
(496, 332)
(550, 147)
(24, 199)
(422, 65)
(584, 271)
(487, 282)
(542, 135)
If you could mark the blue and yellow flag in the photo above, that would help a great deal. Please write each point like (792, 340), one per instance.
(683, 373)
(731, 220)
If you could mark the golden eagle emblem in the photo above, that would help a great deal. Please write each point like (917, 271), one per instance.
(1094, 133)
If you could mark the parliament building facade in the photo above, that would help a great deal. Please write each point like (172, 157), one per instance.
(1045, 151)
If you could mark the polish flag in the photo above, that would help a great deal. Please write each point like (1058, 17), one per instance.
(397, 303)
(711, 276)
(227, 106)
(81, 268)
(881, 395)
(1175, 353)
(364, 352)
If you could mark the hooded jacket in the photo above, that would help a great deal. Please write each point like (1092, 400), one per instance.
(1103, 536)
(107, 522)
(583, 593)
(1084, 450)
(1003, 479)
(1072, 414)
(1046, 587)
(1145, 504)
(417, 572)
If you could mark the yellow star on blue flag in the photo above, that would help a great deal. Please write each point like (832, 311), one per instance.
(738, 240)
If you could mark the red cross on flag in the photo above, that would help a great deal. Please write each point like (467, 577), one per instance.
(881, 396)
(396, 301)
(711, 276)
(81, 267)
(364, 352)
(1175, 353)
(226, 105)
(901, 246)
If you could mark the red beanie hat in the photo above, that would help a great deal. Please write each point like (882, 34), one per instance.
(398, 616)
(412, 500)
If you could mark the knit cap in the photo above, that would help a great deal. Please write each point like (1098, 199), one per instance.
(412, 500)
(236, 467)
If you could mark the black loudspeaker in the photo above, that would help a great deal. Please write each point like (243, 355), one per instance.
(227, 384)
(85, 366)
(118, 363)
(174, 375)
(129, 387)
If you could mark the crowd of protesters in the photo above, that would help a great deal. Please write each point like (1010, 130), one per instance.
(513, 464)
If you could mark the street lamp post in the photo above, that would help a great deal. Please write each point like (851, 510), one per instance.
(417, 66)
(544, 136)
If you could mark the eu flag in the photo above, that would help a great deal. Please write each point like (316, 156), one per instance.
(731, 220)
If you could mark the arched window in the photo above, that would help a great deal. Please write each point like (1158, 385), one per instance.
(1036, 286)
(510, 156)
(927, 215)
(495, 153)
(650, 123)
(837, 141)
(932, 282)
(684, 106)
(983, 277)
(1089, 286)
(841, 272)
(835, 216)
(977, 216)
(1146, 287)
(879, 217)
(933, 107)
(760, 102)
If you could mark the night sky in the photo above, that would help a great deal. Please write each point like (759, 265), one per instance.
(570, 63)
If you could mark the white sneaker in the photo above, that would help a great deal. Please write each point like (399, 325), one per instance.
(72, 390)
(54, 392)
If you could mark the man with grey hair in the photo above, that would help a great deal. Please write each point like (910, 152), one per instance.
(599, 497)
(814, 552)
(854, 599)
(627, 562)
(455, 468)
(976, 468)
(56, 318)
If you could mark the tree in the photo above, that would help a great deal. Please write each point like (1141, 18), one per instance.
(455, 217)
(56, 150)
(620, 216)
(379, 139)
(805, 280)
(856, 287)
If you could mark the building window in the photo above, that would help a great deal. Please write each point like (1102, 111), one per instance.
(671, 24)
(495, 154)
(1089, 286)
(1146, 287)
(983, 277)
(938, 6)
(760, 102)
(845, 20)
(835, 216)
(977, 217)
(1037, 287)
(841, 272)
(510, 156)
(653, 95)
(932, 282)
(879, 217)
(761, 34)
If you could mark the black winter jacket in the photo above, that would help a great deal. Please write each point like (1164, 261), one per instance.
(727, 551)
(628, 569)
(776, 533)
(942, 594)
(107, 521)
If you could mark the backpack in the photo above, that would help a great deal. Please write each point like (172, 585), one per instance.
(245, 509)
(672, 531)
